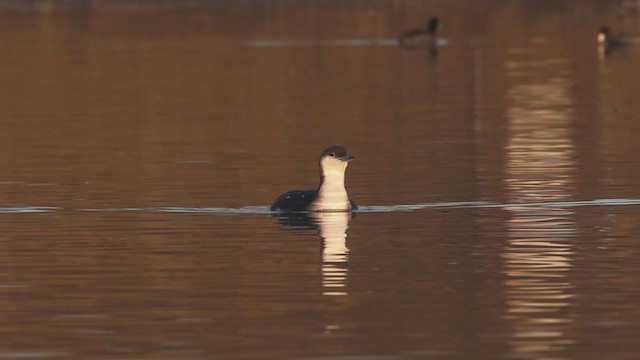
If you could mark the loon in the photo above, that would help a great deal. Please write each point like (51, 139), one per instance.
(422, 38)
(331, 195)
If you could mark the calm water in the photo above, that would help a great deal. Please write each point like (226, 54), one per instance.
(140, 146)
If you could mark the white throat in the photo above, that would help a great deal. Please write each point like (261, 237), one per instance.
(332, 195)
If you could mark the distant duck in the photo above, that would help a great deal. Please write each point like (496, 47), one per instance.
(422, 38)
(331, 194)
(606, 40)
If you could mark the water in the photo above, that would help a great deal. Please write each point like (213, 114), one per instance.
(141, 144)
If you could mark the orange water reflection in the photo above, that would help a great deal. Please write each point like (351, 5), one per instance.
(335, 253)
(539, 251)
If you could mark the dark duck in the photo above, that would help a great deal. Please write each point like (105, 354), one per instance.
(331, 195)
(606, 40)
(422, 38)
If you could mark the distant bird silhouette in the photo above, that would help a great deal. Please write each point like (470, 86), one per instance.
(422, 38)
(607, 41)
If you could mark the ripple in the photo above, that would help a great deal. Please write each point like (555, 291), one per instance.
(578, 203)
(14, 286)
(313, 43)
(488, 204)
(27, 209)
(194, 210)
(32, 355)
(264, 209)
(242, 210)
(414, 207)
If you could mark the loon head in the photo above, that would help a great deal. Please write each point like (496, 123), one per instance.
(432, 25)
(334, 161)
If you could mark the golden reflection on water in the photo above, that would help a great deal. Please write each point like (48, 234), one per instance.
(539, 253)
(335, 253)
(143, 107)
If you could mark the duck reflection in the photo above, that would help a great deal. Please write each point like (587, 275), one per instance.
(332, 229)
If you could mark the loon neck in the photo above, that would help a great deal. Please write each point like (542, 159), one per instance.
(332, 181)
(332, 195)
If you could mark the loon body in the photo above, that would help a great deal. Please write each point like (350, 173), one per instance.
(422, 38)
(331, 194)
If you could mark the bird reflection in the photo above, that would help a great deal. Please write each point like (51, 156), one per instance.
(422, 38)
(332, 229)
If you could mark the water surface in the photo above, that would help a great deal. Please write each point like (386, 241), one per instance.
(141, 144)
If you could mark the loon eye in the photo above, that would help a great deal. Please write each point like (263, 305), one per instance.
(332, 154)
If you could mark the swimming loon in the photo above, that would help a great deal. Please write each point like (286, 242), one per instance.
(422, 38)
(331, 195)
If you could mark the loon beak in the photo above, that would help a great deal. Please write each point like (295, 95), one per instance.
(347, 157)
